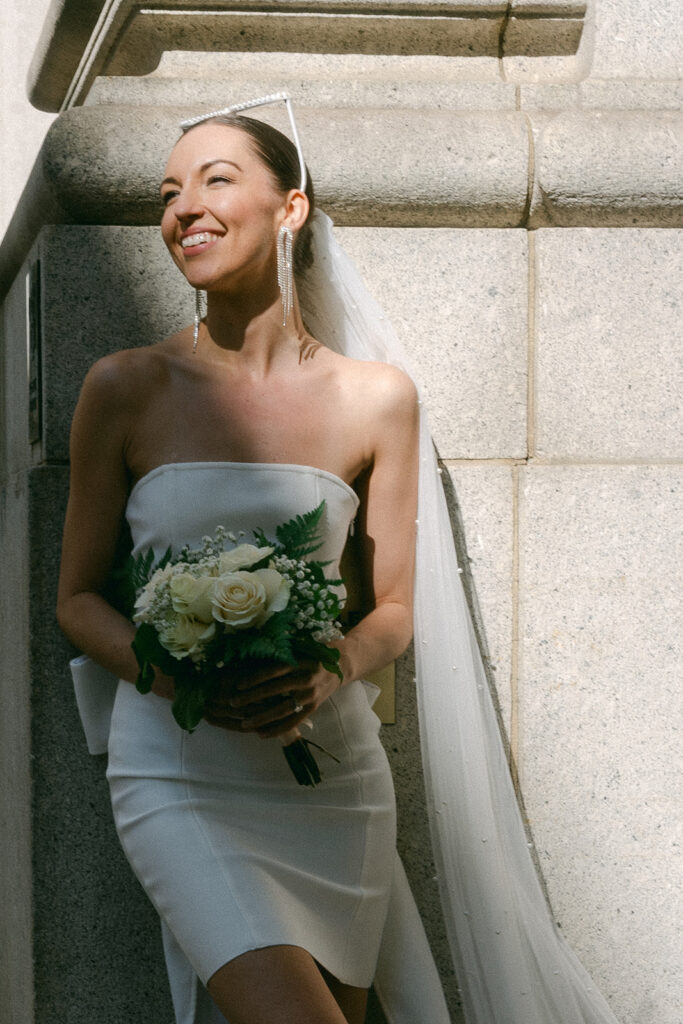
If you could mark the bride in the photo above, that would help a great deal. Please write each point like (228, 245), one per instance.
(287, 902)
(277, 896)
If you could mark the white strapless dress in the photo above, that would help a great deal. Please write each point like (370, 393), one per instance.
(234, 854)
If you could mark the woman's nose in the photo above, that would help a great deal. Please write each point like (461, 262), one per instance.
(187, 206)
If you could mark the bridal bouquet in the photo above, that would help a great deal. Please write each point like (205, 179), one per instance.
(215, 607)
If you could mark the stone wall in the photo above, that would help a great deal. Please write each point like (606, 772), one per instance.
(518, 212)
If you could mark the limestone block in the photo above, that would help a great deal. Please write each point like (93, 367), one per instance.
(375, 30)
(16, 925)
(23, 127)
(458, 300)
(402, 744)
(549, 96)
(100, 165)
(601, 626)
(93, 928)
(132, 35)
(638, 39)
(213, 80)
(605, 168)
(602, 95)
(556, 36)
(14, 390)
(609, 364)
(632, 95)
(482, 502)
(544, 8)
(104, 289)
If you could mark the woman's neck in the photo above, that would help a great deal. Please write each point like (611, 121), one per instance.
(250, 333)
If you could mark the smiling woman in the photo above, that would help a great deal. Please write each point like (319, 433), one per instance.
(276, 895)
(281, 898)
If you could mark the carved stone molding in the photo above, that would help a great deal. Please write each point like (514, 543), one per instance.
(83, 39)
(417, 168)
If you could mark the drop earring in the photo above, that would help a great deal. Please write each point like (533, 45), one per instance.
(197, 318)
(285, 244)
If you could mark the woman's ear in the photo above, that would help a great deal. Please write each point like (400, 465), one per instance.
(296, 209)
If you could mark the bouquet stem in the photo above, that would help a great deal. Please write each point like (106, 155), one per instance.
(300, 759)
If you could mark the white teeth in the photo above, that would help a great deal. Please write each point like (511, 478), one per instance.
(198, 239)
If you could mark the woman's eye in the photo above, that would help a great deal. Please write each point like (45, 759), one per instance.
(219, 179)
(166, 197)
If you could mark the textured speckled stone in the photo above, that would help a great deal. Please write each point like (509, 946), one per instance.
(603, 95)
(16, 952)
(23, 127)
(104, 288)
(468, 340)
(601, 626)
(621, 168)
(391, 167)
(211, 81)
(609, 361)
(132, 35)
(92, 924)
(482, 504)
(402, 744)
(110, 288)
(556, 36)
(638, 39)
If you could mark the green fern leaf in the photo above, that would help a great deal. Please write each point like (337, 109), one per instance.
(299, 536)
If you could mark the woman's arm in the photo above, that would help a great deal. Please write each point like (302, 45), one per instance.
(386, 541)
(386, 530)
(99, 486)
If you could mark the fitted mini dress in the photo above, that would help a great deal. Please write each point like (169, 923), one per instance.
(233, 853)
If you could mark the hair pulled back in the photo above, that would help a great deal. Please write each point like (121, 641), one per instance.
(279, 154)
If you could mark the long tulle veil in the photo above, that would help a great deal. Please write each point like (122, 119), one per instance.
(513, 966)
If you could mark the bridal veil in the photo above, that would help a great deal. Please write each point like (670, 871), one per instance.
(512, 964)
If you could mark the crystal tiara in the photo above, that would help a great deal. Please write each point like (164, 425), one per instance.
(236, 108)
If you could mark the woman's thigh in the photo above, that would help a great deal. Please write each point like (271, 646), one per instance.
(283, 985)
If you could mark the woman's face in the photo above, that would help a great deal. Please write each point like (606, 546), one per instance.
(222, 209)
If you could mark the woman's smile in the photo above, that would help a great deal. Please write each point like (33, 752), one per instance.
(197, 242)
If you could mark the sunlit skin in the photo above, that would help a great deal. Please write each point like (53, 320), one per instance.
(255, 391)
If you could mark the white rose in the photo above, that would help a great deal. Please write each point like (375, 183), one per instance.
(191, 595)
(248, 599)
(241, 557)
(147, 595)
(186, 637)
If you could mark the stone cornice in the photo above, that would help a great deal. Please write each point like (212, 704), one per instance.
(86, 38)
(102, 165)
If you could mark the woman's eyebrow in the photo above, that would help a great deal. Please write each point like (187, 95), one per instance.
(204, 167)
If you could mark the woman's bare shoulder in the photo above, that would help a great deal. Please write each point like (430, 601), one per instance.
(387, 387)
(123, 378)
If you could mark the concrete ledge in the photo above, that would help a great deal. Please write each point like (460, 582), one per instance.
(607, 169)
(131, 35)
(387, 168)
(103, 165)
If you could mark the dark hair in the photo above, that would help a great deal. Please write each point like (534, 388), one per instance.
(280, 156)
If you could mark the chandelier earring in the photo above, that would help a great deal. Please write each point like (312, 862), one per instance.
(197, 318)
(285, 248)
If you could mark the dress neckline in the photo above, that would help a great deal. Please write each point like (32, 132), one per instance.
(291, 467)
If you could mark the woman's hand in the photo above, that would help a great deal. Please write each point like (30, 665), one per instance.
(272, 700)
(163, 686)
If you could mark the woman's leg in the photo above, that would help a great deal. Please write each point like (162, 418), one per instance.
(282, 985)
(353, 1001)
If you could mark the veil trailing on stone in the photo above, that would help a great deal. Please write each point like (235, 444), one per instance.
(512, 964)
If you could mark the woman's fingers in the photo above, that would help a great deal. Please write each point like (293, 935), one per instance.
(273, 686)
